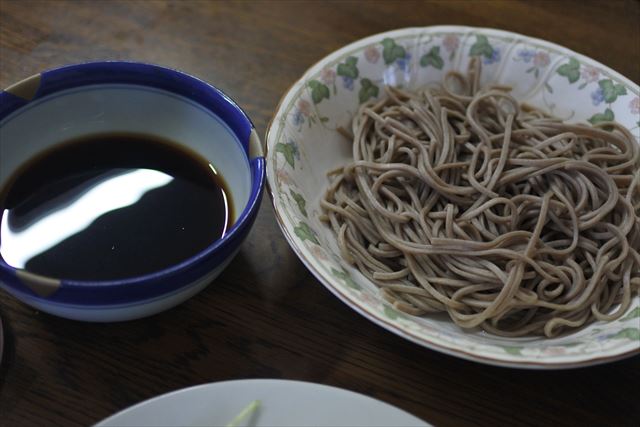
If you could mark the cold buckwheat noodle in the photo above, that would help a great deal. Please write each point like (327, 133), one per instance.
(460, 199)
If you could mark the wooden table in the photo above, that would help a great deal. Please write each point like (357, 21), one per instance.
(266, 316)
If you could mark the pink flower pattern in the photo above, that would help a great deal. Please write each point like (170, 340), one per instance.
(318, 252)
(369, 299)
(305, 107)
(555, 351)
(283, 177)
(634, 105)
(541, 59)
(328, 76)
(372, 54)
(451, 42)
(589, 74)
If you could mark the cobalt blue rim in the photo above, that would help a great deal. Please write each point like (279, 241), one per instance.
(211, 98)
(136, 73)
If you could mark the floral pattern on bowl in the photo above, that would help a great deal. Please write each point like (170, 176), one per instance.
(304, 143)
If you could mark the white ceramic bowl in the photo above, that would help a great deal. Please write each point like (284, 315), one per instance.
(303, 145)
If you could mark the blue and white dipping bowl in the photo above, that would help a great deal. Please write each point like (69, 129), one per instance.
(77, 100)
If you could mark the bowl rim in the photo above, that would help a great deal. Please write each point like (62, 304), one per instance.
(204, 94)
(538, 364)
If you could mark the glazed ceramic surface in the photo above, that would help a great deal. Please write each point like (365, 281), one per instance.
(282, 403)
(70, 102)
(303, 145)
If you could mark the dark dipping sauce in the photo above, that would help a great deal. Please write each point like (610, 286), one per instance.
(111, 206)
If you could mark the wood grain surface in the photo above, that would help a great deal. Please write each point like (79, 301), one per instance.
(266, 316)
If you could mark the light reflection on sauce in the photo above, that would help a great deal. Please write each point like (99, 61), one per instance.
(111, 206)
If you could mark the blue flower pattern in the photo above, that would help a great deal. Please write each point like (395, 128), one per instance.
(495, 57)
(525, 54)
(295, 149)
(347, 82)
(403, 63)
(597, 96)
(298, 118)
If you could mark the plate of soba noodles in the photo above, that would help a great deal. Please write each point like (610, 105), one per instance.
(472, 190)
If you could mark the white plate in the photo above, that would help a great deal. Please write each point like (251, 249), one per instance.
(282, 403)
(303, 144)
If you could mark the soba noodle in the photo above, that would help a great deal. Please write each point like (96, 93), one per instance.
(461, 200)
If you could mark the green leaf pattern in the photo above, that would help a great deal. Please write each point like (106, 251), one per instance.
(304, 232)
(319, 91)
(392, 51)
(633, 314)
(481, 47)
(628, 333)
(607, 116)
(392, 313)
(300, 201)
(348, 68)
(288, 151)
(570, 70)
(346, 278)
(432, 58)
(514, 350)
(367, 90)
(611, 91)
